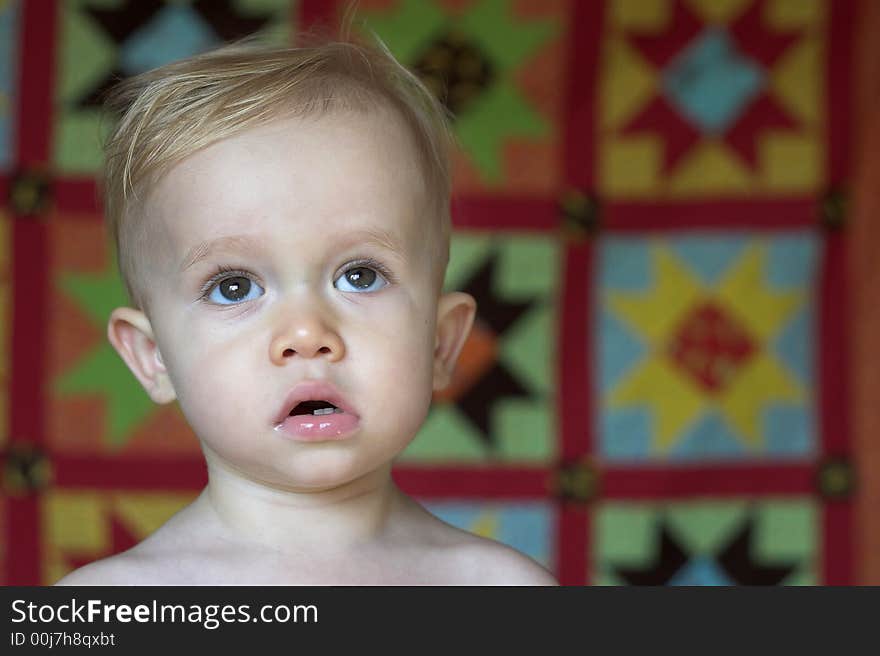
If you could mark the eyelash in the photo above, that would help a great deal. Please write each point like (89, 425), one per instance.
(218, 276)
(223, 272)
(368, 263)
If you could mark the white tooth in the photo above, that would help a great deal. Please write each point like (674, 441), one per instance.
(324, 411)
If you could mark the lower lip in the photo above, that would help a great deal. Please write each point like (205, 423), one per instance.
(319, 428)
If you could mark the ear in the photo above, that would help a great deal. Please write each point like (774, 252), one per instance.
(455, 316)
(131, 334)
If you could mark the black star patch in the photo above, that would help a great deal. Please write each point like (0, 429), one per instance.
(498, 383)
(736, 558)
(670, 559)
(120, 23)
(738, 561)
(456, 70)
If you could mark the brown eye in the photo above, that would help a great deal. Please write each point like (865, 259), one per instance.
(235, 289)
(231, 288)
(361, 277)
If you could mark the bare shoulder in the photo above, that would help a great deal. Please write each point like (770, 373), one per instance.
(128, 568)
(154, 561)
(485, 562)
(463, 558)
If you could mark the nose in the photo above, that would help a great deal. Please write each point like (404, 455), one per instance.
(306, 336)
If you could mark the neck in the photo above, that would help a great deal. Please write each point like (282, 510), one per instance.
(352, 515)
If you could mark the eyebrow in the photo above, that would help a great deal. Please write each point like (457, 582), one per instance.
(210, 247)
(246, 243)
(376, 237)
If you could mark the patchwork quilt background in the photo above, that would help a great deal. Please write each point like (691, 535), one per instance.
(650, 211)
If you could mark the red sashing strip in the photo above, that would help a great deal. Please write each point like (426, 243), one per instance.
(106, 472)
(23, 548)
(706, 480)
(833, 370)
(574, 545)
(76, 196)
(838, 554)
(574, 401)
(575, 397)
(486, 212)
(730, 216)
(29, 257)
(318, 14)
(580, 118)
(463, 481)
(36, 82)
(838, 551)
(838, 94)
(29, 273)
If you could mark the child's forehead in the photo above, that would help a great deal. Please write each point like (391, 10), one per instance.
(195, 239)
(313, 179)
(374, 142)
(378, 124)
(350, 148)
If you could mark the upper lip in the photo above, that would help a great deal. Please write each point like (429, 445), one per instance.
(313, 390)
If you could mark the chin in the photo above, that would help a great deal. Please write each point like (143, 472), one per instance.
(317, 476)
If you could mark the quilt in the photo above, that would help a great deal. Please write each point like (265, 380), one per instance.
(650, 209)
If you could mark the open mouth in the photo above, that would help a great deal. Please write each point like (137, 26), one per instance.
(315, 408)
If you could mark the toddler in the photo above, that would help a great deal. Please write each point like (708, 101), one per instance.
(281, 219)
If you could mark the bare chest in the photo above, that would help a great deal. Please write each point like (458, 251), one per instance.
(397, 569)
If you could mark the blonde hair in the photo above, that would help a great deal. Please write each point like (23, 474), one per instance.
(171, 112)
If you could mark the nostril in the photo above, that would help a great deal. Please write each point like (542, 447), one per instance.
(289, 351)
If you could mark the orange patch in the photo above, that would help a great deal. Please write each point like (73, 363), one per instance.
(164, 431)
(477, 357)
(542, 79)
(531, 166)
(78, 244)
(466, 177)
(76, 424)
(72, 335)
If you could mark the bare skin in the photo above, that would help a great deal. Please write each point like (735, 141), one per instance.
(400, 543)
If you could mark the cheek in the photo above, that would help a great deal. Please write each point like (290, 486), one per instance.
(396, 359)
(402, 329)
(212, 384)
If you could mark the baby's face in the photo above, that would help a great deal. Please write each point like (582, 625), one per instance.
(295, 262)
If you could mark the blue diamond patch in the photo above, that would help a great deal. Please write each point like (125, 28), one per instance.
(700, 571)
(176, 31)
(711, 83)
